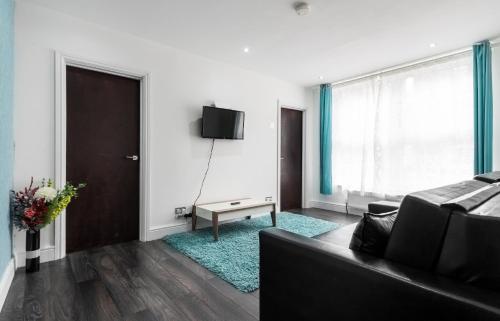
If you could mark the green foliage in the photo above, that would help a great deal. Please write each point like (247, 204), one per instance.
(50, 183)
(61, 201)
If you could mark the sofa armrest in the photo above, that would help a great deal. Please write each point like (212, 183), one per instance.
(306, 279)
(380, 207)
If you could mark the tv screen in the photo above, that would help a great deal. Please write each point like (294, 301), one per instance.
(222, 123)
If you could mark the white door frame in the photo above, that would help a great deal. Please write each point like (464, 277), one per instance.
(61, 62)
(278, 160)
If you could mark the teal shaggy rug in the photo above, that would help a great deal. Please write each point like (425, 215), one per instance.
(235, 257)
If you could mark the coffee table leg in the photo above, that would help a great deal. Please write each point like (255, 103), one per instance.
(273, 215)
(193, 219)
(215, 226)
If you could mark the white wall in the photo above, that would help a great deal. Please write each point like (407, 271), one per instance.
(180, 84)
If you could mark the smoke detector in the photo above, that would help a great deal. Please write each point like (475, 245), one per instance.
(302, 8)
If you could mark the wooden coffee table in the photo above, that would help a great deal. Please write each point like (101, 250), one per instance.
(224, 211)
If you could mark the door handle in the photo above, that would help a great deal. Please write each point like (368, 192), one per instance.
(282, 158)
(132, 157)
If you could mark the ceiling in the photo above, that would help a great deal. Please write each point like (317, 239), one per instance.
(338, 39)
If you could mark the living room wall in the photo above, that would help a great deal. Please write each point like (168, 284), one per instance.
(181, 83)
(6, 139)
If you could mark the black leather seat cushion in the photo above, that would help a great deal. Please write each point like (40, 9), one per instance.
(373, 232)
(418, 233)
(383, 206)
(471, 249)
(306, 279)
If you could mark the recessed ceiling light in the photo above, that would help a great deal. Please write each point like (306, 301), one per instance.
(320, 77)
(246, 50)
(432, 45)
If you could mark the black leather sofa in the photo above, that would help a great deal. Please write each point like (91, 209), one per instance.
(442, 262)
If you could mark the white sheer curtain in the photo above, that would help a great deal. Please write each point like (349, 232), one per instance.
(406, 130)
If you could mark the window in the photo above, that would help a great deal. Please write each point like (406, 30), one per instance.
(405, 130)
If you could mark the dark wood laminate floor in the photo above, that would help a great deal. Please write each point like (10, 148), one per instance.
(133, 281)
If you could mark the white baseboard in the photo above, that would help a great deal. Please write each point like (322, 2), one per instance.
(336, 207)
(159, 232)
(6, 281)
(46, 255)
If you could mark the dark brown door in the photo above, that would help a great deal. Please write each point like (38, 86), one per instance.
(103, 127)
(291, 159)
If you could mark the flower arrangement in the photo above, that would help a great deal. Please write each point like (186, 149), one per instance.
(35, 207)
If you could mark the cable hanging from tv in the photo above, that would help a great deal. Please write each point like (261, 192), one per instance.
(206, 172)
(219, 123)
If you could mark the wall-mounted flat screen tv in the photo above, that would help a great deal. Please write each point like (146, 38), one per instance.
(222, 123)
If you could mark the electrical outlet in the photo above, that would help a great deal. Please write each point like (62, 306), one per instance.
(180, 211)
(269, 198)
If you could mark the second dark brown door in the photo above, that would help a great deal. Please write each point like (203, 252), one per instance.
(291, 159)
(103, 128)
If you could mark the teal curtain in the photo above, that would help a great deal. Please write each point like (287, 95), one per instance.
(325, 137)
(483, 108)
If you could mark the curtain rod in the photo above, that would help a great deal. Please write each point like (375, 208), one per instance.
(494, 43)
(403, 66)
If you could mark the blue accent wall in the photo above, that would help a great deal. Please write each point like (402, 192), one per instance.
(6, 132)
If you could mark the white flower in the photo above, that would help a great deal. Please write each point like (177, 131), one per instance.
(46, 192)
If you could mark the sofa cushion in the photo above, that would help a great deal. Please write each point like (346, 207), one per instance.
(383, 206)
(372, 233)
(471, 249)
(418, 233)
